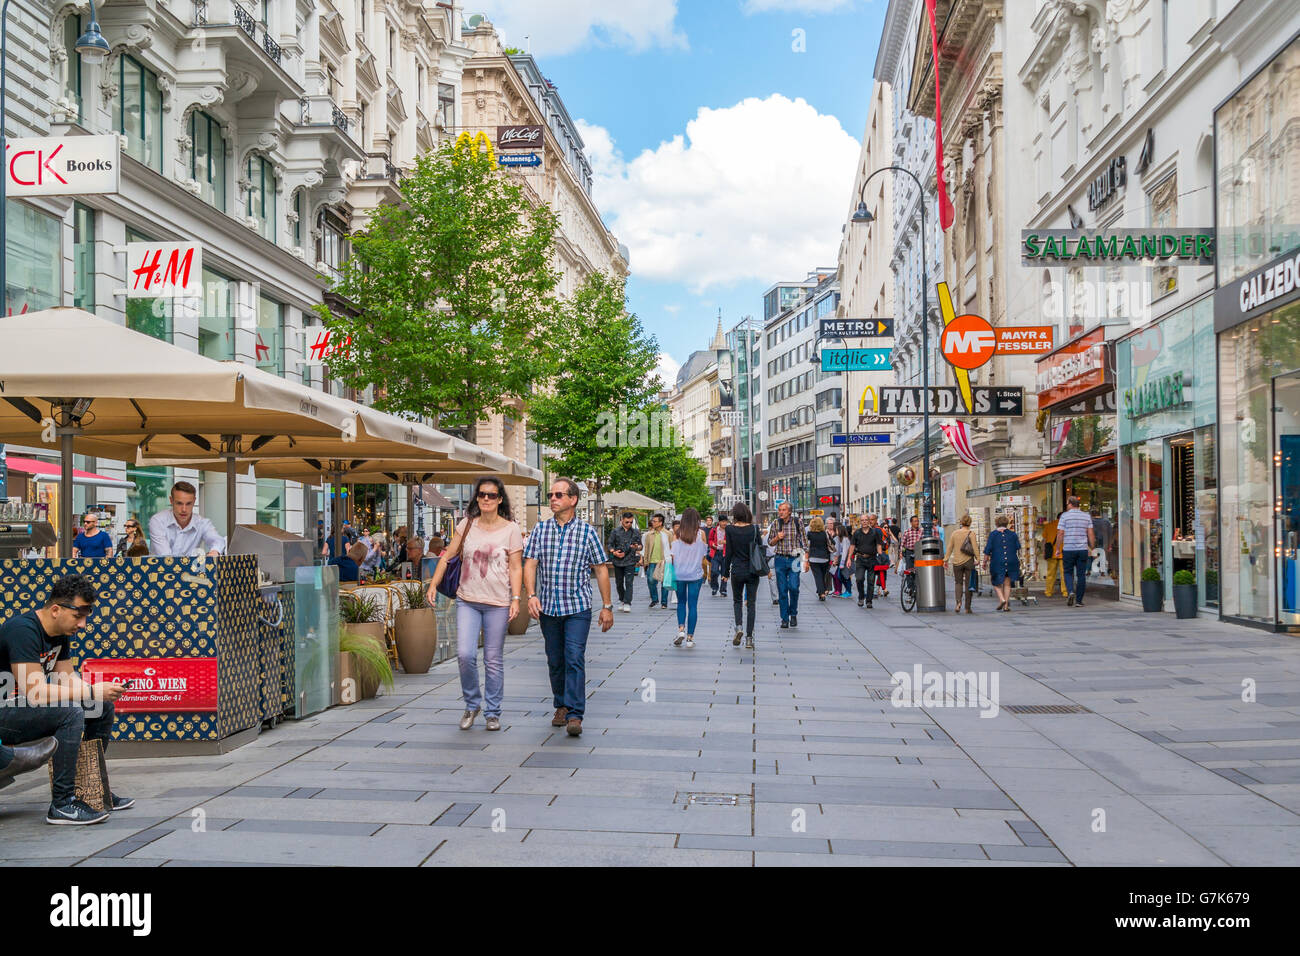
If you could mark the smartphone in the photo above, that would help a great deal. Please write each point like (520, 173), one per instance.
(128, 684)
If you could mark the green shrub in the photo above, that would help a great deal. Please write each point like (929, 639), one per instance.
(415, 596)
(1150, 574)
(1184, 578)
(372, 658)
(358, 608)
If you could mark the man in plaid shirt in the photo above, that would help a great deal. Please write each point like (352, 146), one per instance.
(787, 537)
(908, 541)
(558, 560)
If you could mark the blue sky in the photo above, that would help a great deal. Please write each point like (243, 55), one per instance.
(723, 135)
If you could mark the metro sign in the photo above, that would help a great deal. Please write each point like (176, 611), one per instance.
(156, 270)
(63, 165)
(968, 342)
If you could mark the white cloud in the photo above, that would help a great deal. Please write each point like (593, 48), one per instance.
(752, 191)
(667, 368)
(794, 6)
(672, 309)
(557, 27)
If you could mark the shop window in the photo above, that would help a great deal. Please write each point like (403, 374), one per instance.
(83, 257)
(139, 111)
(269, 347)
(262, 195)
(217, 317)
(34, 277)
(72, 80)
(208, 158)
(270, 502)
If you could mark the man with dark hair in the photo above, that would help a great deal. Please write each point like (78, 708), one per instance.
(48, 697)
(624, 546)
(655, 544)
(180, 531)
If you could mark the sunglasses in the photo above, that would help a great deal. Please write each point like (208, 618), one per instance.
(488, 496)
(82, 612)
(559, 494)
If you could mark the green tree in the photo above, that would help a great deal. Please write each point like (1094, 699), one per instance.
(671, 474)
(454, 293)
(606, 370)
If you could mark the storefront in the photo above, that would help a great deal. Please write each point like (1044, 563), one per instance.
(1257, 322)
(1168, 494)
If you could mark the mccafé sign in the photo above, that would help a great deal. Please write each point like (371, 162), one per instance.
(1075, 369)
(519, 137)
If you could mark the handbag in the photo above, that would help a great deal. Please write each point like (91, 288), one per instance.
(758, 557)
(92, 775)
(520, 622)
(670, 575)
(450, 582)
(967, 547)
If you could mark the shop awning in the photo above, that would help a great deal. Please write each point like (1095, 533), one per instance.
(47, 471)
(433, 498)
(1056, 471)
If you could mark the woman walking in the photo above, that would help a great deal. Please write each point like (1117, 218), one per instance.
(741, 536)
(1002, 559)
(961, 558)
(818, 559)
(490, 547)
(843, 571)
(690, 549)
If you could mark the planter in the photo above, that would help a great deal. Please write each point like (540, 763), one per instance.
(1153, 595)
(417, 639)
(364, 686)
(1185, 600)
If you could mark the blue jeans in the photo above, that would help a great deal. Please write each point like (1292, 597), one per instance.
(652, 584)
(1076, 571)
(566, 650)
(787, 585)
(470, 617)
(688, 599)
(69, 724)
(715, 574)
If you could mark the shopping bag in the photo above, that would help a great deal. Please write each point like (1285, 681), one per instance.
(670, 576)
(92, 775)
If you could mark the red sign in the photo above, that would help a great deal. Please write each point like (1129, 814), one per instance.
(1076, 369)
(1024, 339)
(968, 341)
(187, 684)
(1149, 505)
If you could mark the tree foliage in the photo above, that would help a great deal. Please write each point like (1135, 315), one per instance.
(454, 292)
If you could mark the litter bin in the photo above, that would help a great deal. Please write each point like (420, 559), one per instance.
(929, 575)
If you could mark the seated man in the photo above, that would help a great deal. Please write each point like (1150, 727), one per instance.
(350, 564)
(35, 649)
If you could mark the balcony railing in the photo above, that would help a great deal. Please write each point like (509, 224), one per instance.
(271, 47)
(340, 119)
(245, 20)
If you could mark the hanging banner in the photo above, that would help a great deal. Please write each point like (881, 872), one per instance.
(959, 438)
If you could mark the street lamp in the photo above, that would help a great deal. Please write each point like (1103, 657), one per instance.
(92, 48)
(863, 215)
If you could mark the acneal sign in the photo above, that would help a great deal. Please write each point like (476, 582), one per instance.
(63, 165)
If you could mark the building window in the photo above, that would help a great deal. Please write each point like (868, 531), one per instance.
(363, 17)
(419, 85)
(392, 48)
(447, 105)
(217, 319)
(261, 195)
(152, 317)
(208, 158)
(269, 349)
(333, 246)
(297, 219)
(139, 112)
(1164, 217)
(72, 80)
(83, 257)
(34, 277)
(270, 502)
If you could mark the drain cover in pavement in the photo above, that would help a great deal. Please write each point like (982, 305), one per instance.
(713, 799)
(1045, 709)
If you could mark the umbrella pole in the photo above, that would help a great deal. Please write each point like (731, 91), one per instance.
(65, 493)
(230, 495)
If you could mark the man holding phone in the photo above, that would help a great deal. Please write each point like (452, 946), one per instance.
(45, 696)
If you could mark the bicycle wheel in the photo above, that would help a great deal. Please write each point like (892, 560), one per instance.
(907, 594)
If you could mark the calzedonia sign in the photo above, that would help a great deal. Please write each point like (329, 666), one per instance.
(1048, 246)
(1167, 391)
(1258, 292)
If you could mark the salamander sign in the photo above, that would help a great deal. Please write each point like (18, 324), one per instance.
(1054, 246)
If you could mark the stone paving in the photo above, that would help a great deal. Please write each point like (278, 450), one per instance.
(791, 754)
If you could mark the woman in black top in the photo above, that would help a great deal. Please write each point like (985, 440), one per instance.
(819, 557)
(741, 536)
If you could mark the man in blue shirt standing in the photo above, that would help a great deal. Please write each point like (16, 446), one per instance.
(91, 542)
(558, 560)
(1077, 541)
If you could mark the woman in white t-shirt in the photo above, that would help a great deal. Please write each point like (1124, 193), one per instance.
(689, 549)
(491, 577)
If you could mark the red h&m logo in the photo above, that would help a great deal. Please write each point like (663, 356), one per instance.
(164, 269)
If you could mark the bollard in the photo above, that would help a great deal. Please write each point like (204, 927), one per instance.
(929, 575)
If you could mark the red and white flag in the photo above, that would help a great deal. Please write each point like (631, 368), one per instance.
(1060, 432)
(959, 438)
(946, 212)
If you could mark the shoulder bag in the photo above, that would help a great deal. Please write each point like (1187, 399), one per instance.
(968, 545)
(450, 582)
(758, 555)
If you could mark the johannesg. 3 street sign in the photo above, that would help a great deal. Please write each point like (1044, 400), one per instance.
(63, 165)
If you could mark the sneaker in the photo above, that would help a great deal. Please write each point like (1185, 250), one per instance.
(1078, 604)
(120, 803)
(627, 609)
(775, 602)
(690, 641)
(467, 718)
(749, 641)
(681, 636)
(493, 723)
(715, 593)
(561, 715)
(784, 625)
(859, 602)
(574, 727)
(1069, 601)
(74, 814)
(735, 641)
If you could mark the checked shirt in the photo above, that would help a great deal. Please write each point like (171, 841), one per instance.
(565, 554)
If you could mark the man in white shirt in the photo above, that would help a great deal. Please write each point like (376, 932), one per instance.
(179, 532)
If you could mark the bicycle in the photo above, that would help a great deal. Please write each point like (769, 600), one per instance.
(907, 592)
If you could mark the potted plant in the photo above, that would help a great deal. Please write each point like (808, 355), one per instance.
(362, 621)
(416, 630)
(1153, 590)
(1184, 594)
(363, 666)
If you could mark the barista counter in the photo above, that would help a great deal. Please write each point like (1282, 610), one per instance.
(212, 659)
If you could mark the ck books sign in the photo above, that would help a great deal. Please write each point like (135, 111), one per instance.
(63, 165)
(157, 270)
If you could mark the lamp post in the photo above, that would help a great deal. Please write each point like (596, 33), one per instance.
(863, 215)
(92, 48)
(816, 360)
